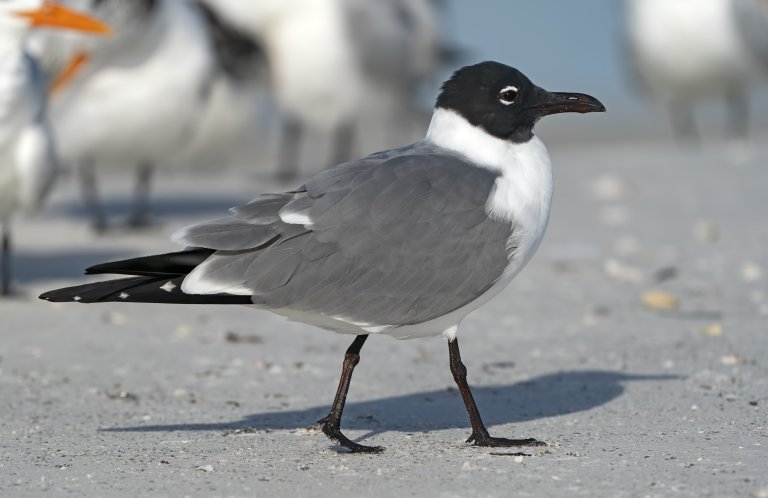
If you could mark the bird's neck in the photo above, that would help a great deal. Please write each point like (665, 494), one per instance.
(451, 131)
(523, 191)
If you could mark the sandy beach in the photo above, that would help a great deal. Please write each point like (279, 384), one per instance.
(634, 344)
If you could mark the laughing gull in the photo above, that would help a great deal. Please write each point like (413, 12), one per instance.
(133, 99)
(404, 243)
(331, 60)
(684, 52)
(27, 161)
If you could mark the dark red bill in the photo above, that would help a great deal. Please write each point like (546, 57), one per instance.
(557, 102)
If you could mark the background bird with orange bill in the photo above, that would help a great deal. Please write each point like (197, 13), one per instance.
(27, 157)
(131, 101)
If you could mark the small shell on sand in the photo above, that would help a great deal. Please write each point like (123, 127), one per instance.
(660, 300)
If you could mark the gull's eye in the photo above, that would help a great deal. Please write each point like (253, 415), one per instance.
(508, 95)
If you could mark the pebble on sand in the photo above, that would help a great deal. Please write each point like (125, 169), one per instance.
(732, 359)
(751, 272)
(706, 231)
(621, 272)
(114, 318)
(660, 300)
(609, 188)
(713, 330)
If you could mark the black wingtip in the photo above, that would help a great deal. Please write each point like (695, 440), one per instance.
(115, 267)
(169, 265)
(58, 296)
(98, 269)
(138, 290)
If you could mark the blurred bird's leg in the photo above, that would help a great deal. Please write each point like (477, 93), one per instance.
(332, 422)
(90, 194)
(738, 123)
(737, 130)
(140, 216)
(5, 260)
(480, 435)
(343, 142)
(290, 148)
(683, 122)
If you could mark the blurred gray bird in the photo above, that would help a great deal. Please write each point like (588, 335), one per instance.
(27, 161)
(331, 60)
(404, 243)
(133, 100)
(683, 52)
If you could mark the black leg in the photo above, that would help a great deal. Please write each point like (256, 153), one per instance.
(683, 122)
(343, 142)
(140, 216)
(5, 257)
(332, 422)
(290, 146)
(738, 125)
(91, 196)
(480, 436)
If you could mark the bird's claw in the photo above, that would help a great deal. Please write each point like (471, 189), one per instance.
(335, 434)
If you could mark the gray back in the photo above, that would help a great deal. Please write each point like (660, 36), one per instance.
(398, 238)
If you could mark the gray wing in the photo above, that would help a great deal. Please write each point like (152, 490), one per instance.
(382, 241)
(752, 22)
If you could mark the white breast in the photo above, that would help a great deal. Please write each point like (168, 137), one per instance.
(27, 166)
(19, 96)
(523, 196)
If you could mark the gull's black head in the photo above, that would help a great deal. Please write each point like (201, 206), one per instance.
(503, 101)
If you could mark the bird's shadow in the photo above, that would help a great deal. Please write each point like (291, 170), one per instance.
(550, 395)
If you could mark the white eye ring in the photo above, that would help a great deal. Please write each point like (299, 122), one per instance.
(507, 90)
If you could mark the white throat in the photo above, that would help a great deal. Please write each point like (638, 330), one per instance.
(526, 171)
(451, 131)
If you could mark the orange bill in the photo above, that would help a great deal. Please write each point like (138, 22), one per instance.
(53, 15)
(73, 67)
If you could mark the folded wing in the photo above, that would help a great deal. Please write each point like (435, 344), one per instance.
(396, 242)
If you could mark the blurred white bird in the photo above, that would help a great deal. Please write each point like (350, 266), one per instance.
(132, 100)
(687, 51)
(234, 110)
(27, 161)
(329, 60)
